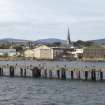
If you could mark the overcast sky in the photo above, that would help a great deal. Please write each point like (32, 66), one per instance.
(38, 19)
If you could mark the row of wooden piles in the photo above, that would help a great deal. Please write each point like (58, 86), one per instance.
(61, 73)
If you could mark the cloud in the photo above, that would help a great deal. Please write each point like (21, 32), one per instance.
(51, 18)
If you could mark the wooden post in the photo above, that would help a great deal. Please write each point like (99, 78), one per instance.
(0, 71)
(86, 75)
(21, 72)
(101, 75)
(58, 74)
(72, 75)
(25, 72)
(36, 72)
(45, 73)
(79, 75)
(11, 71)
(50, 74)
(63, 73)
(93, 74)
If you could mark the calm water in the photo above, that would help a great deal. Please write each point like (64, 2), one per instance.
(28, 91)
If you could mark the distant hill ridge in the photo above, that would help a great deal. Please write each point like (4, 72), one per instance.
(49, 40)
(41, 41)
(99, 41)
(46, 41)
(11, 39)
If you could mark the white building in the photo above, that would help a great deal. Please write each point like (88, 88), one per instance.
(7, 52)
(43, 52)
(29, 53)
(77, 52)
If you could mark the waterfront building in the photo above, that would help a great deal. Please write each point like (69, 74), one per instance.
(94, 52)
(7, 52)
(77, 52)
(29, 53)
(43, 52)
(63, 53)
(40, 52)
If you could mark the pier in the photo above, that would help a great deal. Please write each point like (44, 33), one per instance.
(42, 71)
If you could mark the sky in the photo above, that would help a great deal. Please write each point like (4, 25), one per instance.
(40, 19)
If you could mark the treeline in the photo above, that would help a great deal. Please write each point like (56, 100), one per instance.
(8, 46)
(81, 43)
(78, 43)
(21, 47)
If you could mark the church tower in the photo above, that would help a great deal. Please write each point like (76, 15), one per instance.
(11, 46)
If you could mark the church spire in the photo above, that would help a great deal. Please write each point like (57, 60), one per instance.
(11, 44)
(68, 37)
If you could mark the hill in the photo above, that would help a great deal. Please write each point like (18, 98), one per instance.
(5, 40)
(99, 41)
(49, 41)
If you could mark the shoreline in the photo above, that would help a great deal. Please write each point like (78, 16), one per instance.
(23, 59)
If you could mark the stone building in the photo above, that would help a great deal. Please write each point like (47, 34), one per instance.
(43, 52)
(95, 52)
(29, 53)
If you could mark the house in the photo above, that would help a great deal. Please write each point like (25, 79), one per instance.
(43, 52)
(29, 53)
(7, 52)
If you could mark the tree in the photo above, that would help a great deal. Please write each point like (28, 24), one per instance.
(57, 43)
(18, 48)
(81, 43)
(5, 55)
(4, 46)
